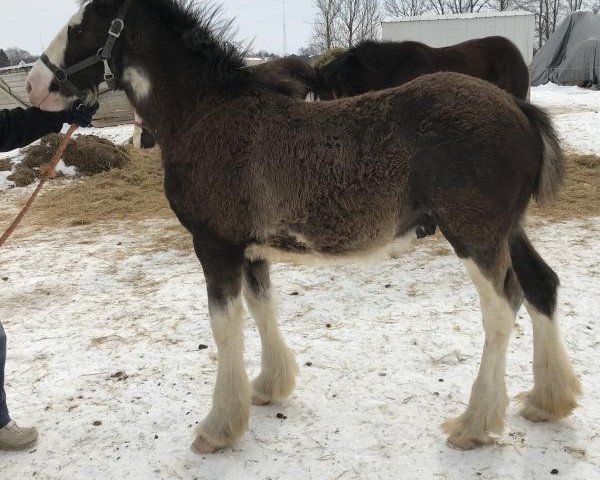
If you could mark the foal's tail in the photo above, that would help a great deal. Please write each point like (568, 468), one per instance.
(552, 170)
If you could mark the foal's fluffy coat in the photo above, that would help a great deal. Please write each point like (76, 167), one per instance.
(249, 172)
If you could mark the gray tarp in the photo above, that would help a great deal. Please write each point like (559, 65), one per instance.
(571, 56)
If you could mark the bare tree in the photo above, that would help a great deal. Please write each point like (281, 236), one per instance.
(466, 6)
(349, 21)
(358, 20)
(574, 5)
(370, 20)
(325, 33)
(406, 8)
(439, 6)
(502, 5)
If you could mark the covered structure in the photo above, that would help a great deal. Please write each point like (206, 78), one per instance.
(445, 30)
(571, 56)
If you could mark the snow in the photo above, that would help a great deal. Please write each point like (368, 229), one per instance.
(576, 114)
(104, 324)
(400, 356)
(5, 184)
(61, 167)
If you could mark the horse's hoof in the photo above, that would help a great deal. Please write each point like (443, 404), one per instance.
(201, 446)
(461, 442)
(259, 401)
(529, 411)
(461, 438)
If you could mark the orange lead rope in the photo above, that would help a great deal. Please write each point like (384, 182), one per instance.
(47, 172)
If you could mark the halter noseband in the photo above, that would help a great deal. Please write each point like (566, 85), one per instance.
(104, 55)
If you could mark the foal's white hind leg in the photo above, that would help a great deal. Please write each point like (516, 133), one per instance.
(488, 401)
(277, 378)
(556, 387)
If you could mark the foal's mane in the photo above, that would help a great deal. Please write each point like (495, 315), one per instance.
(203, 31)
(202, 28)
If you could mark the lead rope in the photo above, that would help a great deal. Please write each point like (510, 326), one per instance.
(47, 172)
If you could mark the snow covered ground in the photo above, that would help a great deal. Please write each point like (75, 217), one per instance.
(576, 113)
(104, 327)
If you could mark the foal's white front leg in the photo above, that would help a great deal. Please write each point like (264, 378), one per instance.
(228, 417)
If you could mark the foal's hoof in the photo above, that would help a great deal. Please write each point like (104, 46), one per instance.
(462, 438)
(550, 404)
(201, 446)
(259, 400)
(530, 411)
(466, 442)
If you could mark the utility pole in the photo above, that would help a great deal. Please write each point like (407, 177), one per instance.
(284, 31)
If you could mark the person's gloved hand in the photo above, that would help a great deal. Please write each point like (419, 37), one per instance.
(81, 114)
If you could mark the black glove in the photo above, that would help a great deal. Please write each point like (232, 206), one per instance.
(81, 114)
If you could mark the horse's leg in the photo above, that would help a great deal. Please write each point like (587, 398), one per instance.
(278, 374)
(556, 387)
(228, 417)
(489, 270)
(137, 130)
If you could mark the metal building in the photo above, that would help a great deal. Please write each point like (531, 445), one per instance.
(445, 30)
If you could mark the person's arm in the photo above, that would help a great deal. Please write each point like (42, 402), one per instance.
(20, 127)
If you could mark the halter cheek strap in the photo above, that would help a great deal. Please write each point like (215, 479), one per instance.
(104, 55)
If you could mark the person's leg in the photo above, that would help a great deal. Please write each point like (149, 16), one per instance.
(4, 417)
(12, 437)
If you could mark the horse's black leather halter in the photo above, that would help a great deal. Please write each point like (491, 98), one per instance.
(104, 55)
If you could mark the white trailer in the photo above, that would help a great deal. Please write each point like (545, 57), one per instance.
(445, 30)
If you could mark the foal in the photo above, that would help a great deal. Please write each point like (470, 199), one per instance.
(256, 176)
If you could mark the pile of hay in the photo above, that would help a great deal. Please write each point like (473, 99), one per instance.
(89, 154)
(134, 192)
(580, 195)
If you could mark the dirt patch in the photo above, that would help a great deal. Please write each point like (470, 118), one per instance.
(580, 195)
(5, 166)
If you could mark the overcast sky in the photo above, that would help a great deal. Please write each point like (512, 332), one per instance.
(30, 24)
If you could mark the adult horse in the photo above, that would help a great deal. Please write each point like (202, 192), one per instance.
(373, 65)
(255, 176)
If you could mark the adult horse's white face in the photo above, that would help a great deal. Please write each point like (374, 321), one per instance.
(40, 79)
